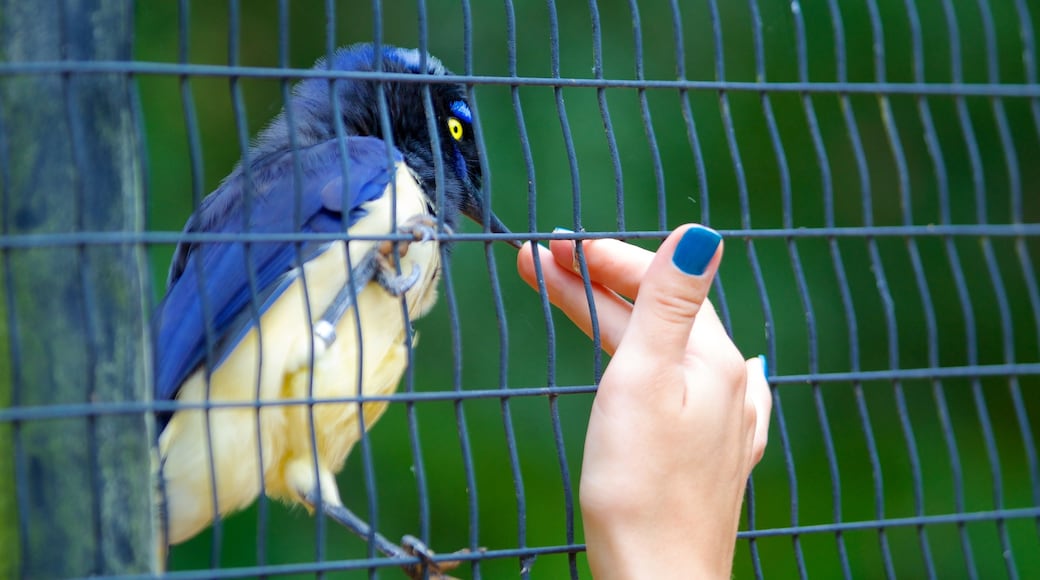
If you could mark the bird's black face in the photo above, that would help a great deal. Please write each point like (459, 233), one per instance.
(459, 159)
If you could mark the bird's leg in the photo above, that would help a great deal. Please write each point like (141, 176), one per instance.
(324, 328)
(410, 547)
(423, 228)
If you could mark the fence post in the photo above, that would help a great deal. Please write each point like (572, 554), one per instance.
(75, 326)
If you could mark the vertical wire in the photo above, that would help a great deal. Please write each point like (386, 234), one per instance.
(209, 332)
(865, 188)
(471, 480)
(572, 160)
(197, 193)
(1003, 308)
(453, 313)
(771, 354)
(828, 201)
(456, 348)
(88, 303)
(359, 378)
(923, 291)
(532, 213)
(386, 127)
(262, 508)
(191, 120)
(543, 294)
(503, 372)
(344, 157)
(1015, 186)
(648, 125)
(197, 184)
(297, 220)
(938, 392)
(499, 303)
(881, 281)
(899, 158)
(978, 184)
(206, 307)
(604, 113)
(249, 190)
(699, 168)
(756, 270)
(418, 465)
(687, 111)
(554, 409)
(1022, 250)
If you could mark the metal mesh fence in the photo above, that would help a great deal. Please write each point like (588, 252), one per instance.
(870, 163)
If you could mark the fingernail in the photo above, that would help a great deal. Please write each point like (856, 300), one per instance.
(575, 266)
(765, 365)
(695, 250)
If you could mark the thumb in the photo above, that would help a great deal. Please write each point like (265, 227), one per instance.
(670, 296)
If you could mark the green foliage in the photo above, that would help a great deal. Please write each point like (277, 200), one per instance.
(900, 178)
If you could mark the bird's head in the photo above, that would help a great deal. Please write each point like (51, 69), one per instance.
(359, 108)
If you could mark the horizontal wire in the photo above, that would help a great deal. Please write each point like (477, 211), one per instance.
(340, 565)
(874, 525)
(64, 411)
(970, 371)
(353, 564)
(224, 71)
(168, 237)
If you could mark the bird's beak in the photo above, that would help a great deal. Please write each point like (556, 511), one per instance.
(475, 211)
(500, 228)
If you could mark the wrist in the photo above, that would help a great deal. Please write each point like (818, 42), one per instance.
(630, 553)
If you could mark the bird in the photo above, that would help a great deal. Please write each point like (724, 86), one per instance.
(248, 326)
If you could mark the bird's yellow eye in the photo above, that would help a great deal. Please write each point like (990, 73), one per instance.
(455, 128)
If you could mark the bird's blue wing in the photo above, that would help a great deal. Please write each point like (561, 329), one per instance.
(209, 284)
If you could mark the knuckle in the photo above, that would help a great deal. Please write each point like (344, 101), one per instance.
(730, 367)
(766, 396)
(758, 449)
(615, 496)
(675, 308)
(750, 413)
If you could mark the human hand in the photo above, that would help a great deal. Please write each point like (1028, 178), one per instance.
(679, 419)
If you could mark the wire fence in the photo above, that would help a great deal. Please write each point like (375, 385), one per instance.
(870, 163)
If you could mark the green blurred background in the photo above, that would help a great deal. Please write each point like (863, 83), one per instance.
(893, 136)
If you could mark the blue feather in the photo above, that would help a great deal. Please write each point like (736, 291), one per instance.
(461, 110)
(223, 290)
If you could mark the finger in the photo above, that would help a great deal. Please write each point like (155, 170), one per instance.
(612, 263)
(567, 292)
(672, 292)
(759, 395)
(619, 266)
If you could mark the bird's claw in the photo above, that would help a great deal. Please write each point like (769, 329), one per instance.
(435, 570)
(394, 284)
(423, 229)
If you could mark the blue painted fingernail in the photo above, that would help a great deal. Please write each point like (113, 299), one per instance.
(695, 250)
(559, 230)
(765, 365)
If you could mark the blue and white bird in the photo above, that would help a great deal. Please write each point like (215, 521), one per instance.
(270, 321)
